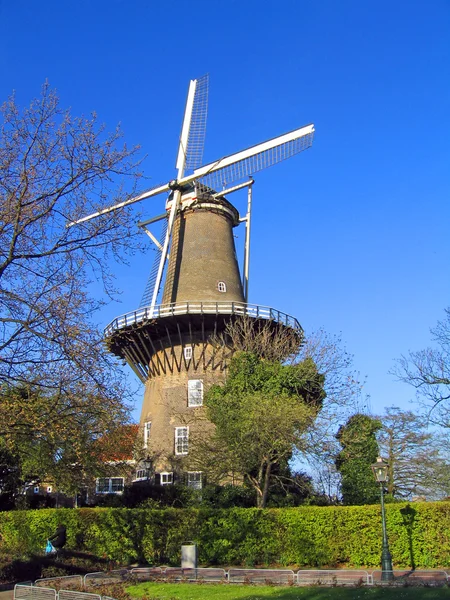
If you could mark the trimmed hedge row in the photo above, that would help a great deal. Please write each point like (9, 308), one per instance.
(419, 534)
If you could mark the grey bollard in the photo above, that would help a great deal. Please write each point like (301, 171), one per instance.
(189, 556)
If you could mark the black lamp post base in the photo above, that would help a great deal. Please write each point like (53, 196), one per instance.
(386, 565)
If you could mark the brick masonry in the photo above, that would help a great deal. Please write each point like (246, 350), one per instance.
(202, 254)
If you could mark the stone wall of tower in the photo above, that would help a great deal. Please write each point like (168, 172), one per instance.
(203, 254)
(166, 396)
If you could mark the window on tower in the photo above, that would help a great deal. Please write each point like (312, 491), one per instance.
(194, 479)
(181, 440)
(109, 485)
(195, 392)
(166, 478)
(141, 474)
(147, 429)
(222, 286)
(188, 352)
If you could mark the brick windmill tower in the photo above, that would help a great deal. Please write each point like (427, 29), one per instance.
(172, 345)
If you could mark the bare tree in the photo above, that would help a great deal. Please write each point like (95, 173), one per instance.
(56, 377)
(415, 455)
(345, 396)
(53, 169)
(265, 338)
(428, 371)
(343, 384)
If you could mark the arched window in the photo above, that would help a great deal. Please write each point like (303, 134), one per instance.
(222, 286)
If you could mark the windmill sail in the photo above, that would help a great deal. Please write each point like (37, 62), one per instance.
(150, 287)
(247, 162)
(154, 191)
(197, 131)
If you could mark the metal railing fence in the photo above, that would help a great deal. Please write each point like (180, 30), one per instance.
(272, 576)
(254, 311)
(193, 574)
(416, 577)
(73, 595)
(105, 577)
(333, 577)
(31, 592)
(303, 577)
(76, 580)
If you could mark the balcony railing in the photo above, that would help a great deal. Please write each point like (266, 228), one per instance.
(254, 311)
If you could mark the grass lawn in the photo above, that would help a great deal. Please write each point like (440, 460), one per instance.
(210, 591)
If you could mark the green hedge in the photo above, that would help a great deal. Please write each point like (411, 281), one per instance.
(303, 537)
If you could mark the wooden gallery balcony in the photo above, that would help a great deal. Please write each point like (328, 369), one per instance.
(138, 335)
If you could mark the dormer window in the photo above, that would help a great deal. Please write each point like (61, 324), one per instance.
(222, 286)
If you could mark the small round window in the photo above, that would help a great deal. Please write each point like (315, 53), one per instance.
(221, 286)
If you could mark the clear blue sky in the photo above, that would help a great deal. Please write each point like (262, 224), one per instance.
(352, 235)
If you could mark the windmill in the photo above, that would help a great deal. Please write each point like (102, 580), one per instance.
(169, 345)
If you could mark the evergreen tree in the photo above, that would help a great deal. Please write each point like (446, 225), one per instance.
(359, 451)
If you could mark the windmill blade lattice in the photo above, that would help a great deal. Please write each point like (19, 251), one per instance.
(197, 131)
(244, 164)
(153, 191)
(150, 287)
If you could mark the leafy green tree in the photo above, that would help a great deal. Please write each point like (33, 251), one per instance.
(62, 448)
(359, 450)
(290, 488)
(260, 416)
(10, 480)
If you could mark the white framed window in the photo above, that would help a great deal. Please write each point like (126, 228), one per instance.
(222, 286)
(181, 440)
(187, 352)
(194, 479)
(36, 489)
(195, 392)
(141, 474)
(166, 478)
(147, 429)
(49, 489)
(109, 485)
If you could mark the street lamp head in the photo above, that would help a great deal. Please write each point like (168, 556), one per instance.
(147, 462)
(380, 470)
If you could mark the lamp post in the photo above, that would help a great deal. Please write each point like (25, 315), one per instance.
(147, 462)
(380, 469)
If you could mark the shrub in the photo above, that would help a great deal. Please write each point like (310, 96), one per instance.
(312, 536)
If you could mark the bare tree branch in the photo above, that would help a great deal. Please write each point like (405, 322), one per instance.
(428, 371)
